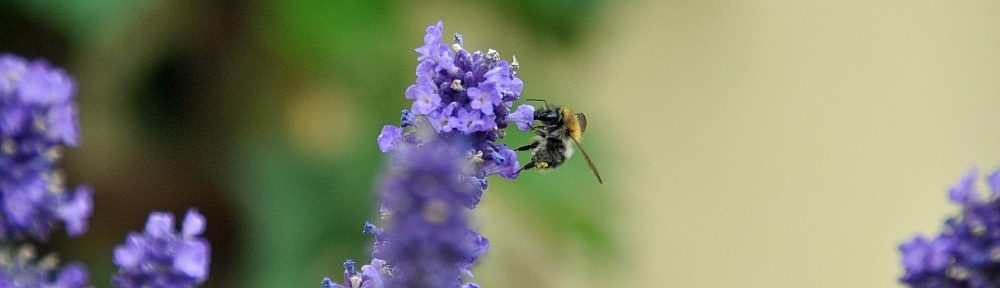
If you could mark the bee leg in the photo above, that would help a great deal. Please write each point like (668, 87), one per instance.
(533, 145)
(528, 166)
(538, 131)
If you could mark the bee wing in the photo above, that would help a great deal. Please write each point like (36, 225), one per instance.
(589, 162)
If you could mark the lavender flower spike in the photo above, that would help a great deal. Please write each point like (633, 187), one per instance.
(37, 117)
(442, 152)
(162, 257)
(967, 251)
(20, 269)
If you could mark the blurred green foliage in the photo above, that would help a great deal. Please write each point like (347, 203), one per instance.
(559, 21)
(301, 211)
(81, 19)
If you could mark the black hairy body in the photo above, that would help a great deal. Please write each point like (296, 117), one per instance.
(551, 148)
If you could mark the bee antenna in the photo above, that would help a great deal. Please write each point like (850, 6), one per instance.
(544, 104)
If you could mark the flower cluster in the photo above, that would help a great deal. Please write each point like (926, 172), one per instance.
(426, 240)
(967, 252)
(467, 95)
(162, 257)
(37, 116)
(443, 149)
(20, 269)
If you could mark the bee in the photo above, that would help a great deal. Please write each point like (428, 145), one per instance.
(551, 148)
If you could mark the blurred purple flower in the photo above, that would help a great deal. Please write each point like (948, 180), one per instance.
(21, 270)
(389, 137)
(162, 257)
(426, 241)
(967, 251)
(37, 116)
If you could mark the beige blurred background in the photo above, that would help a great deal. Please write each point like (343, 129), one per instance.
(773, 143)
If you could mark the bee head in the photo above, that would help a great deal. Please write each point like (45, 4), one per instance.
(547, 115)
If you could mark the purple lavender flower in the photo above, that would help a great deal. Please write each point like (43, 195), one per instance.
(464, 94)
(426, 240)
(967, 251)
(443, 150)
(162, 257)
(37, 117)
(20, 269)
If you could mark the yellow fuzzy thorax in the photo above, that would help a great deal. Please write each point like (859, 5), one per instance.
(572, 124)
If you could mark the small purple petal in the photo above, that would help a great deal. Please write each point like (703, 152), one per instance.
(160, 224)
(964, 192)
(45, 86)
(508, 168)
(192, 259)
(469, 121)
(523, 117)
(12, 70)
(62, 125)
(73, 275)
(483, 98)
(425, 98)
(444, 121)
(994, 180)
(76, 212)
(389, 137)
(373, 275)
(130, 255)
(194, 224)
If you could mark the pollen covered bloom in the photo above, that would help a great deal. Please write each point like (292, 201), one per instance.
(21, 269)
(162, 256)
(967, 251)
(37, 117)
